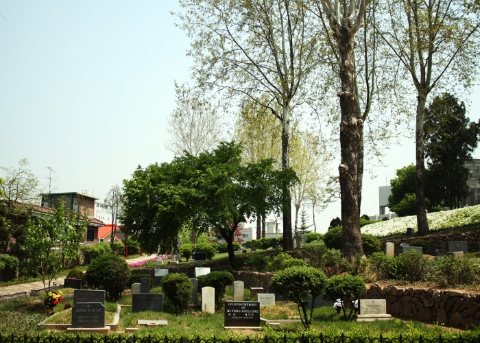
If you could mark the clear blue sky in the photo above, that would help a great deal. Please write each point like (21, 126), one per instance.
(86, 88)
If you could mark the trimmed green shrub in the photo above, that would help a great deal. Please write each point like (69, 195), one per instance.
(313, 236)
(218, 280)
(300, 285)
(8, 267)
(186, 251)
(332, 262)
(178, 291)
(222, 248)
(410, 266)
(118, 248)
(347, 288)
(420, 243)
(284, 260)
(258, 261)
(453, 271)
(207, 248)
(370, 244)
(380, 265)
(333, 238)
(76, 273)
(133, 247)
(108, 272)
(135, 278)
(91, 252)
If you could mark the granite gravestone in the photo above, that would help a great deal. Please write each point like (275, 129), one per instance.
(373, 309)
(88, 296)
(199, 256)
(390, 249)
(88, 315)
(208, 300)
(266, 299)
(199, 271)
(159, 274)
(238, 291)
(453, 246)
(145, 285)
(72, 283)
(136, 288)
(194, 290)
(242, 314)
(147, 302)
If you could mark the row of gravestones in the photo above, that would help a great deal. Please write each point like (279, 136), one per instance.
(455, 248)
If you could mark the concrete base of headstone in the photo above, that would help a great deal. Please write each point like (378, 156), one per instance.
(104, 330)
(172, 262)
(372, 317)
(455, 254)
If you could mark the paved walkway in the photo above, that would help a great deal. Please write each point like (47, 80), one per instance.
(33, 287)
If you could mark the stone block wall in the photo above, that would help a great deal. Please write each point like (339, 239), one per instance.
(445, 307)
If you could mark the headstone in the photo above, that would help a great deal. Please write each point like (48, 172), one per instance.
(303, 239)
(409, 248)
(159, 261)
(159, 274)
(88, 296)
(390, 249)
(147, 302)
(72, 283)
(208, 300)
(238, 291)
(199, 256)
(432, 249)
(194, 290)
(410, 231)
(242, 314)
(199, 271)
(136, 288)
(455, 254)
(88, 315)
(266, 299)
(373, 309)
(152, 322)
(145, 285)
(457, 246)
(254, 291)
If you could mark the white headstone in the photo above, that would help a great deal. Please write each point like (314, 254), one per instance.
(373, 306)
(199, 271)
(208, 300)
(266, 299)
(161, 272)
(136, 288)
(238, 291)
(390, 249)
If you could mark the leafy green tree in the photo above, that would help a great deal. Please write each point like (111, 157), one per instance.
(436, 42)
(449, 140)
(114, 201)
(215, 188)
(347, 288)
(301, 285)
(52, 239)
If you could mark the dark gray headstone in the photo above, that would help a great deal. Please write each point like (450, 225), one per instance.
(242, 314)
(410, 231)
(147, 302)
(199, 256)
(88, 315)
(72, 283)
(319, 302)
(453, 246)
(194, 282)
(145, 285)
(432, 249)
(88, 296)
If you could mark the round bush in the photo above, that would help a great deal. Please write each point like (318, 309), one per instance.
(76, 274)
(313, 236)
(108, 272)
(410, 266)
(8, 267)
(284, 260)
(178, 291)
(333, 238)
(209, 249)
(347, 288)
(186, 251)
(370, 244)
(118, 248)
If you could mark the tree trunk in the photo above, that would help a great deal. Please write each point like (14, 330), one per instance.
(263, 226)
(259, 226)
(287, 199)
(360, 166)
(422, 222)
(349, 143)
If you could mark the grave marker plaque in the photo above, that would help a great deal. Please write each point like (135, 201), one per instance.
(88, 315)
(72, 283)
(242, 314)
(199, 256)
(147, 302)
(373, 306)
(208, 300)
(457, 246)
(390, 249)
(136, 288)
(88, 296)
(159, 274)
(199, 271)
(238, 291)
(266, 299)
(145, 285)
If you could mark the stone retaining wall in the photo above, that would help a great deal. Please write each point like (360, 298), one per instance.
(445, 307)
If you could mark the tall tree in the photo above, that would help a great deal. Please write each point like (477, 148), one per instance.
(114, 201)
(450, 138)
(345, 19)
(260, 49)
(436, 42)
(195, 124)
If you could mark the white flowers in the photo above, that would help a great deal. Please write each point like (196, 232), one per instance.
(436, 221)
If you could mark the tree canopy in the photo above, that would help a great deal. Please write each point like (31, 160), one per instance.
(215, 190)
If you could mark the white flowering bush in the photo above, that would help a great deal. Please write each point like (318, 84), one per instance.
(436, 221)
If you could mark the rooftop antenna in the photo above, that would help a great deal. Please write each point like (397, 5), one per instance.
(50, 179)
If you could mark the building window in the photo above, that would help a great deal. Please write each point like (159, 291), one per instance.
(245, 235)
(90, 235)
